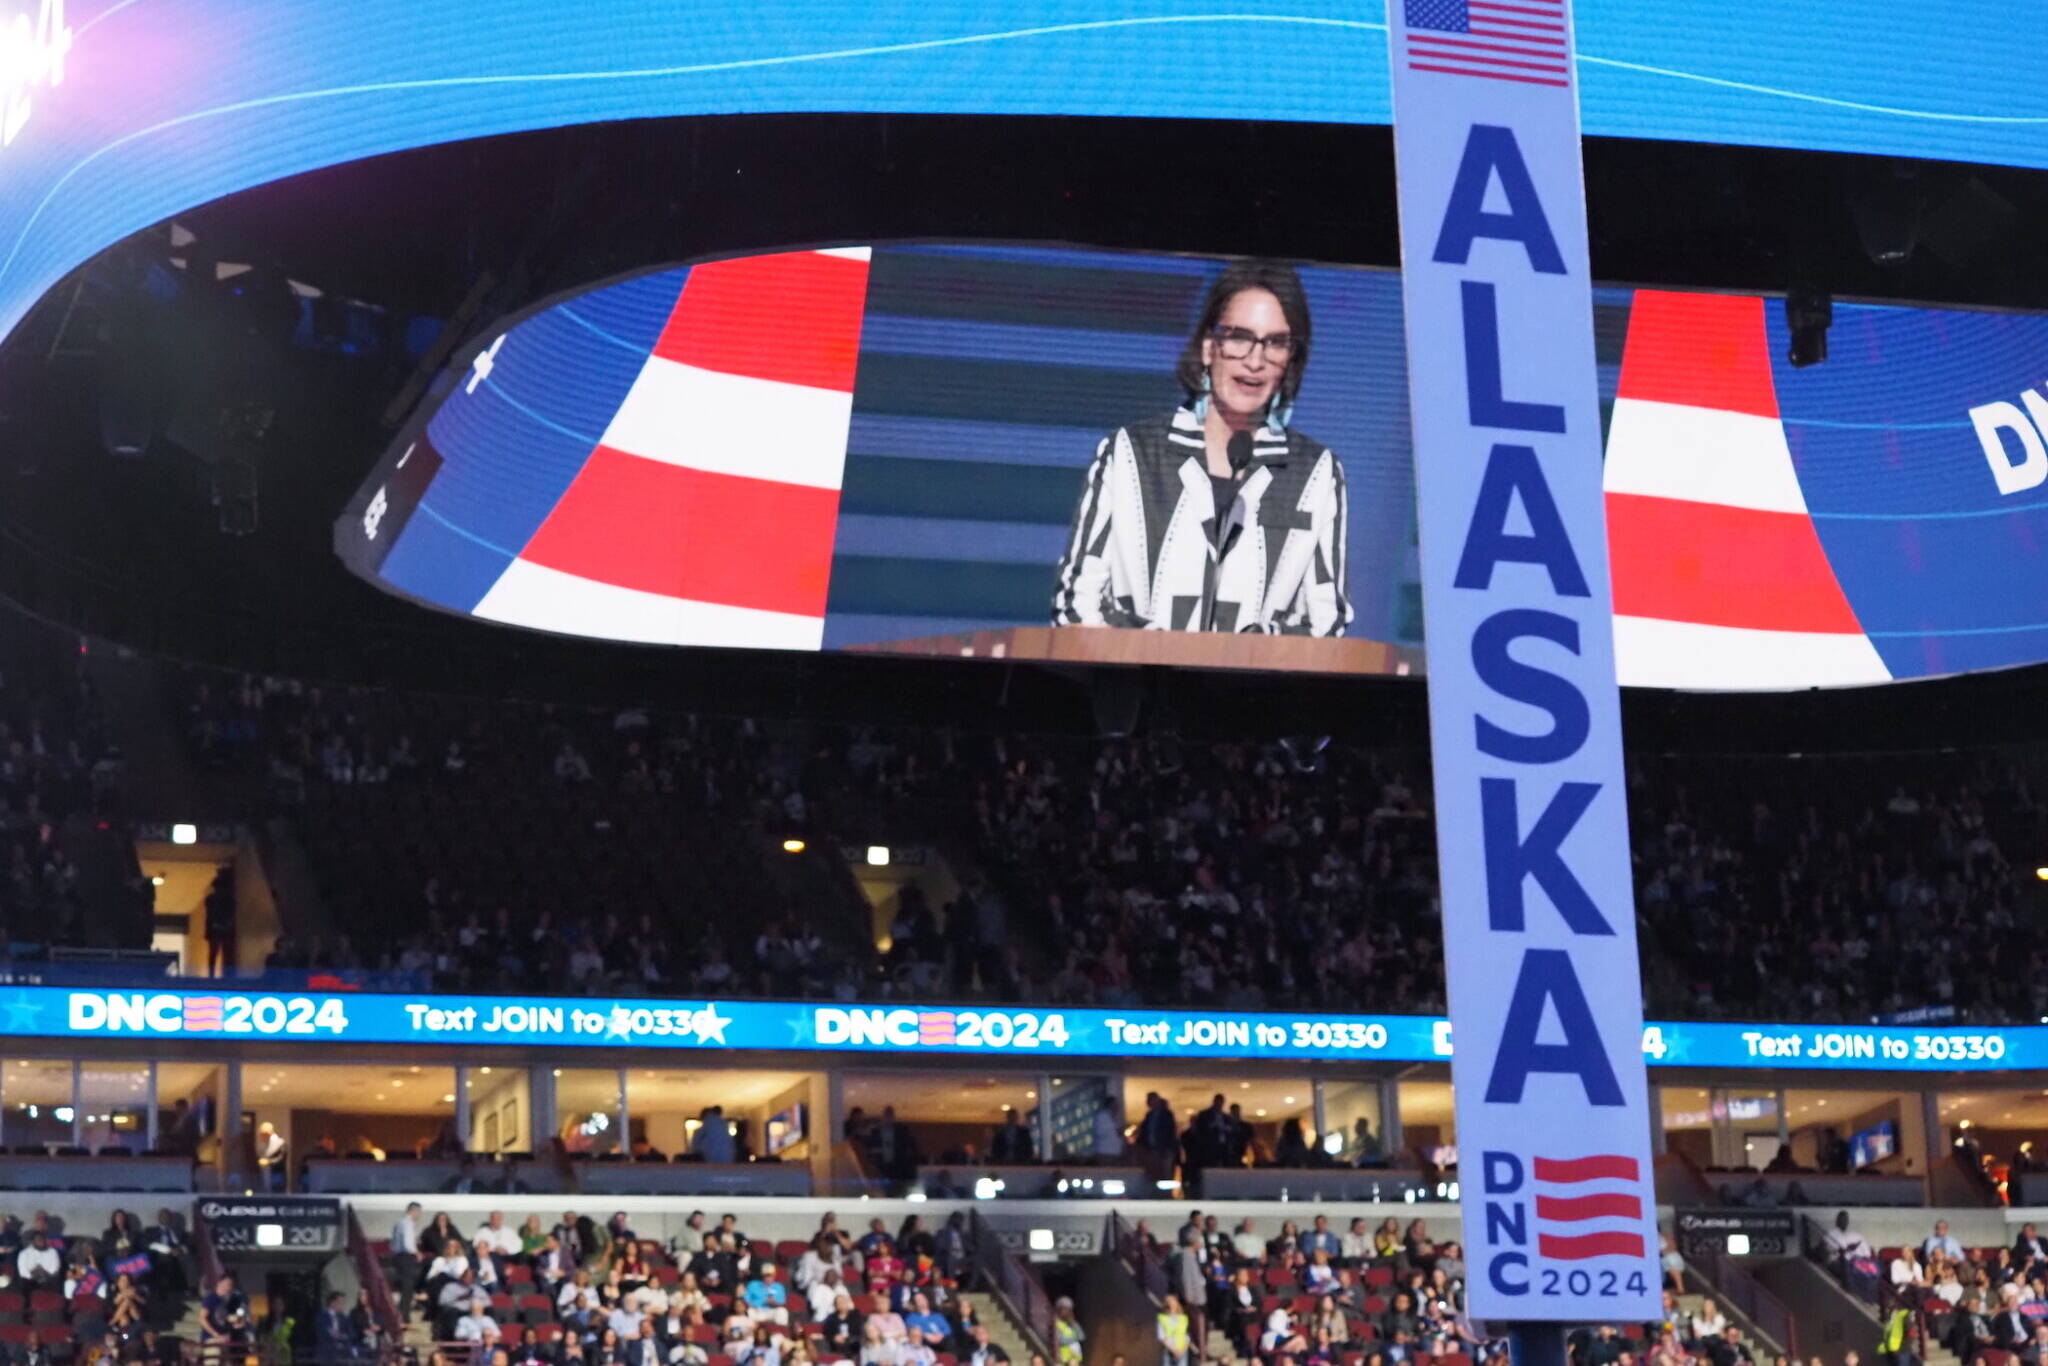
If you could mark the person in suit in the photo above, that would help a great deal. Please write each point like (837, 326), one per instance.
(2028, 1249)
(552, 1265)
(1726, 1349)
(1217, 516)
(333, 1340)
(1970, 1333)
(1011, 1144)
(646, 1348)
(2009, 1327)
(34, 1351)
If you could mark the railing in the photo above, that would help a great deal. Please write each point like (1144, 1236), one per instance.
(1143, 1258)
(210, 1269)
(1010, 1278)
(255, 1352)
(370, 1272)
(1884, 1298)
(1745, 1294)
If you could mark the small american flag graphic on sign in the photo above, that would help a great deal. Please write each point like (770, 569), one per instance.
(1501, 40)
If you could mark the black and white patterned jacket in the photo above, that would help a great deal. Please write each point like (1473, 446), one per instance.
(1146, 550)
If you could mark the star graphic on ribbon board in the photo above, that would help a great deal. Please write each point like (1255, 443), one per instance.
(22, 1012)
(619, 1024)
(708, 1025)
(802, 1029)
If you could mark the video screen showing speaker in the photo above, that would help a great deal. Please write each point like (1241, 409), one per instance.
(1056, 453)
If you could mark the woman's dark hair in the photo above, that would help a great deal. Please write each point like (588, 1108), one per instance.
(1276, 278)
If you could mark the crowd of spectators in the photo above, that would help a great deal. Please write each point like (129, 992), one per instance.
(113, 1296)
(1283, 874)
(58, 765)
(1112, 873)
(1370, 1295)
(585, 1292)
(1984, 1304)
(476, 847)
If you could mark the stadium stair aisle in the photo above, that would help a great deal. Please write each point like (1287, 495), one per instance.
(1002, 1329)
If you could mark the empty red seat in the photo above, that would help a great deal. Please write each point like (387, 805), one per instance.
(1379, 1277)
(45, 1299)
(547, 1332)
(789, 1249)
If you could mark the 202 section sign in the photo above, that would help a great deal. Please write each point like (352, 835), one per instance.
(1539, 929)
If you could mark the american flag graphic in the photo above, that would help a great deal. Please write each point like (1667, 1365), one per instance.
(1569, 1212)
(704, 513)
(1502, 40)
(202, 1014)
(935, 1027)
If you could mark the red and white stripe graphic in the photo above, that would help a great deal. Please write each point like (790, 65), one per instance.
(1561, 1232)
(1720, 579)
(706, 514)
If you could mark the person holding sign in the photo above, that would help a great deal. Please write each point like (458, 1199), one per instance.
(1217, 516)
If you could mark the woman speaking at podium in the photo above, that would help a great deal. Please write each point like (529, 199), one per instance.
(1217, 516)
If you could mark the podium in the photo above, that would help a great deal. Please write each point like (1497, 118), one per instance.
(1185, 649)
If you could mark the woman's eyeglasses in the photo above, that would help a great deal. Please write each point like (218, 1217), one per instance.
(1235, 343)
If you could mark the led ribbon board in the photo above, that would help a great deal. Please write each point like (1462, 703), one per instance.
(341, 1021)
(121, 113)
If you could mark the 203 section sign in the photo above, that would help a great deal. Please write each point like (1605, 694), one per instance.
(1550, 1087)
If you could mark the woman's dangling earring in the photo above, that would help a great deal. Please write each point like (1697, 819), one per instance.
(1280, 413)
(1202, 399)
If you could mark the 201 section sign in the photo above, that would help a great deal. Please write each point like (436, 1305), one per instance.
(1539, 927)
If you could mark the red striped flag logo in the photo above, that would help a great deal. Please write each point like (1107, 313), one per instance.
(935, 1027)
(202, 1014)
(1561, 1234)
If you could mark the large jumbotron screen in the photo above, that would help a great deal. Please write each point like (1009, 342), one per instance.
(998, 451)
